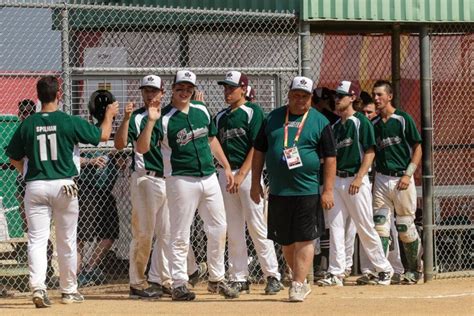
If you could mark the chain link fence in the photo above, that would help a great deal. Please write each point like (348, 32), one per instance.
(453, 148)
(113, 47)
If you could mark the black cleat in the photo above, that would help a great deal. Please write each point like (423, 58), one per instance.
(273, 286)
(222, 288)
(148, 293)
(181, 293)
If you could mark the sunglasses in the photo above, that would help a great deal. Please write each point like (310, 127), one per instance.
(342, 95)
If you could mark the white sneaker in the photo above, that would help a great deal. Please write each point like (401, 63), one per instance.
(331, 280)
(298, 291)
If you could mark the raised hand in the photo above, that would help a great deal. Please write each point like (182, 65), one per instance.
(154, 113)
(112, 110)
(128, 110)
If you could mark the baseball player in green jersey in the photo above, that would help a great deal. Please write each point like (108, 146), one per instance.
(150, 213)
(291, 141)
(355, 143)
(189, 146)
(237, 126)
(398, 153)
(49, 141)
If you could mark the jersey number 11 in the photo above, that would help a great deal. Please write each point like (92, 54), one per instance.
(43, 147)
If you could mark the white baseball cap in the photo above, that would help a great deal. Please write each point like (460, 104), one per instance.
(185, 76)
(302, 83)
(348, 88)
(152, 81)
(234, 79)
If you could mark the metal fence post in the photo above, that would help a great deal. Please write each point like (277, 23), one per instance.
(396, 65)
(305, 59)
(427, 135)
(66, 71)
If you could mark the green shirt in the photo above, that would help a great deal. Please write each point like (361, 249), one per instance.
(394, 141)
(316, 137)
(151, 160)
(49, 141)
(185, 141)
(237, 130)
(353, 138)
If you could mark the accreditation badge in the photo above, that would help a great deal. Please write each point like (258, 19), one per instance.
(292, 157)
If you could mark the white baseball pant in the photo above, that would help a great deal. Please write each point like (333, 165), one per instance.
(45, 200)
(393, 255)
(350, 233)
(358, 207)
(185, 195)
(241, 210)
(386, 195)
(154, 273)
(150, 217)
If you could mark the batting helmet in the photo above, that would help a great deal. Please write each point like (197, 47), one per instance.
(98, 103)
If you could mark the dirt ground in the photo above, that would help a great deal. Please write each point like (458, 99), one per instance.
(439, 297)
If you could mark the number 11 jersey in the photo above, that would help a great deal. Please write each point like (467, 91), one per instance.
(49, 141)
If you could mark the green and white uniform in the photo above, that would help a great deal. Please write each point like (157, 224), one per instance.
(150, 213)
(395, 139)
(237, 130)
(191, 183)
(49, 141)
(353, 137)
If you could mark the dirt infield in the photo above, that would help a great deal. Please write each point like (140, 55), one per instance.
(440, 297)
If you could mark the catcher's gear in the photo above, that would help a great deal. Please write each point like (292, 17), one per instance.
(98, 103)
(71, 190)
(407, 229)
(382, 226)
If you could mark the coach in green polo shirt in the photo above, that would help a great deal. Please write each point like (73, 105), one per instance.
(291, 141)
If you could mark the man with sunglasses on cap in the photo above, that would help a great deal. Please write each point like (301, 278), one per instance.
(291, 142)
(237, 126)
(189, 146)
(150, 213)
(355, 144)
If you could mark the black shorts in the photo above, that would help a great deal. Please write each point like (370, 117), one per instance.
(292, 218)
(98, 216)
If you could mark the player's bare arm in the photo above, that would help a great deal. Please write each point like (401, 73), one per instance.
(18, 164)
(329, 171)
(404, 181)
(106, 126)
(243, 172)
(218, 153)
(369, 156)
(121, 137)
(143, 142)
(98, 162)
(256, 190)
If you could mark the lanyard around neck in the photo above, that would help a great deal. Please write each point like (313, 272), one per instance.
(298, 133)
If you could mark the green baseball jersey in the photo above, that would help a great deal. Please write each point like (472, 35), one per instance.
(49, 141)
(185, 141)
(394, 141)
(316, 141)
(353, 138)
(237, 130)
(153, 159)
